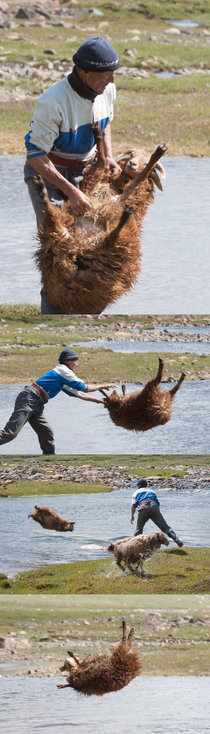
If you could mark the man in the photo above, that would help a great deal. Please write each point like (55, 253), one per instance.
(148, 505)
(60, 143)
(29, 405)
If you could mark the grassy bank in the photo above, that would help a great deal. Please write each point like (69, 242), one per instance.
(148, 109)
(136, 463)
(174, 628)
(101, 365)
(37, 488)
(184, 571)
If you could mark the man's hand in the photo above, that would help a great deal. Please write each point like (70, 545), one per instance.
(107, 386)
(132, 519)
(112, 165)
(79, 202)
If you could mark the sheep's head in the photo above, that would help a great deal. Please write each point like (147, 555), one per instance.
(161, 538)
(133, 161)
(110, 547)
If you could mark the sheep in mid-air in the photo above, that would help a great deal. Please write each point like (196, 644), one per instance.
(50, 520)
(143, 409)
(104, 673)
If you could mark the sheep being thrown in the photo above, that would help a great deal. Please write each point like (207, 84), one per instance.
(106, 673)
(50, 520)
(143, 409)
(88, 262)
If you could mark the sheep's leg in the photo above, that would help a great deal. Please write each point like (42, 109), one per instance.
(130, 636)
(94, 172)
(176, 387)
(123, 390)
(67, 685)
(124, 631)
(49, 208)
(120, 566)
(159, 375)
(111, 238)
(160, 150)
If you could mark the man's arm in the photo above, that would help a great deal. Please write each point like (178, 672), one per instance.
(93, 388)
(133, 510)
(107, 143)
(79, 201)
(84, 396)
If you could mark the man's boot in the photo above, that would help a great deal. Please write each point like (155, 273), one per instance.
(173, 535)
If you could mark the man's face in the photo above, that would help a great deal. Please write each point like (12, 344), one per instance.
(98, 80)
(71, 363)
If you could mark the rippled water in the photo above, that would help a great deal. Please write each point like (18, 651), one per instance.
(146, 706)
(132, 345)
(85, 428)
(25, 544)
(175, 242)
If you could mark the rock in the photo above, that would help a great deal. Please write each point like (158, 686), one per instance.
(50, 51)
(173, 31)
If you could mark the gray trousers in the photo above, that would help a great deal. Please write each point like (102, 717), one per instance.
(149, 510)
(57, 197)
(29, 407)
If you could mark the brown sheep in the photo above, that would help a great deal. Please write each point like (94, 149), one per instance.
(88, 262)
(135, 550)
(105, 673)
(143, 409)
(50, 520)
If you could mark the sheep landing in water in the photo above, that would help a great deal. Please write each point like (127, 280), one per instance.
(88, 262)
(105, 673)
(49, 520)
(145, 408)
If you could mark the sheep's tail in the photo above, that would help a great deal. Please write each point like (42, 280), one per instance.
(160, 150)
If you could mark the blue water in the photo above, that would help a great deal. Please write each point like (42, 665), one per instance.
(133, 345)
(175, 242)
(85, 428)
(153, 705)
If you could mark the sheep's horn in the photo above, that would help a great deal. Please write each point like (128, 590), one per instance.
(156, 179)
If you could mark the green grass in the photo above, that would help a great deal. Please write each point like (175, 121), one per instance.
(184, 571)
(172, 109)
(49, 622)
(99, 365)
(137, 463)
(48, 487)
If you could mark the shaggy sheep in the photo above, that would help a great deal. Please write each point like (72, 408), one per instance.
(105, 673)
(88, 262)
(135, 550)
(50, 520)
(143, 409)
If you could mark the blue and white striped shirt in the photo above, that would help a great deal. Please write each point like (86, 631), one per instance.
(62, 122)
(61, 378)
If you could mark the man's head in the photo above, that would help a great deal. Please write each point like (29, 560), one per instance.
(96, 61)
(141, 483)
(68, 357)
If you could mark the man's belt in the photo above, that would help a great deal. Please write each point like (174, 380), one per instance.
(74, 163)
(43, 395)
(146, 502)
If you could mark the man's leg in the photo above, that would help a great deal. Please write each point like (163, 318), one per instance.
(160, 521)
(20, 416)
(44, 432)
(143, 516)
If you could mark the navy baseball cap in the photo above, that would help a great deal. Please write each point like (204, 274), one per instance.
(67, 354)
(142, 482)
(96, 54)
